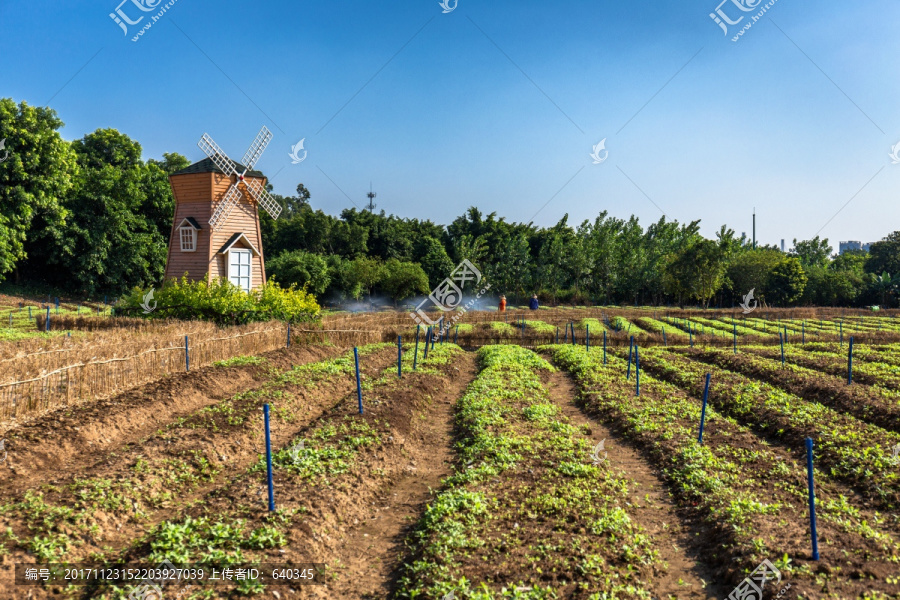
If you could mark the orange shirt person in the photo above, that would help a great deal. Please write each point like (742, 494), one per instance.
(502, 303)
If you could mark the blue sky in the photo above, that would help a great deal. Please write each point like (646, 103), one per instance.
(498, 104)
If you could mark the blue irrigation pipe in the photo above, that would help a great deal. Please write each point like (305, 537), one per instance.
(187, 355)
(630, 350)
(850, 363)
(416, 354)
(781, 339)
(432, 339)
(427, 343)
(566, 338)
(842, 334)
(573, 332)
(664, 337)
(289, 335)
(637, 371)
(29, 312)
(691, 335)
(803, 332)
(269, 460)
(812, 499)
(703, 410)
(734, 329)
(399, 356)
(604, 346)
(587, 337)
(47, 324)
(358, 382)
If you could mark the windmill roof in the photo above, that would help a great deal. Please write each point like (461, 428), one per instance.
(208, 166)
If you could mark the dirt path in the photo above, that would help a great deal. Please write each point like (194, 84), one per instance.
(370, 551)
(651, 504)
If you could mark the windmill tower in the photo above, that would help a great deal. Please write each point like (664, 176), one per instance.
(216, 229)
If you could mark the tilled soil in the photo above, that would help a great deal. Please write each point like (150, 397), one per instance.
(73, 438)
(651, 505)
(231, 448)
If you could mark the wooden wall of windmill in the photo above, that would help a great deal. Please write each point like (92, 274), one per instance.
(216, 231)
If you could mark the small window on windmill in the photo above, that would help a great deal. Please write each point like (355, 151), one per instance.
(187, 233)
(188, 239)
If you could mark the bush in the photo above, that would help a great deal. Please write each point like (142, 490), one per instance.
(220, 301)
(303, 269)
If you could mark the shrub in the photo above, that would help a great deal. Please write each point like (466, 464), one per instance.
(220, 301)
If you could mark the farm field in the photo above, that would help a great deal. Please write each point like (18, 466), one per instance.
(524, 455)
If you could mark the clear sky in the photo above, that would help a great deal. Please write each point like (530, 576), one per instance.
(498, 104)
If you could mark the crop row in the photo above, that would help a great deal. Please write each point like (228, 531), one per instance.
(856, 452)
(527, 514)
(752, 498)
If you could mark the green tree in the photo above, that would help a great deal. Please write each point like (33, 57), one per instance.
(120, 214)
(434, 260)
(787, 281)
(752, 270)
(885, 255)
(698, 271)
(36, 175)
(812, 253)
(401, 280)
(305, 270)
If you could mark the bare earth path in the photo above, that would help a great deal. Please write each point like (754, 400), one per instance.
(651, 504)
(371, 551)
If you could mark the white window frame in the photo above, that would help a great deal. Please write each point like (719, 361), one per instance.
(193, 240)
(249, 267)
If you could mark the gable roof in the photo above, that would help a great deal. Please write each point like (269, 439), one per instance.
(192, 222)
(208, 166)
(233, 240)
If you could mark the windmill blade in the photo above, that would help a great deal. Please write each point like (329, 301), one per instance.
(262, 196)
(217, 155)
(228, 202)
(257, 148)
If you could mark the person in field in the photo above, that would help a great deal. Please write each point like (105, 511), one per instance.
(502, 303)
(534, 305)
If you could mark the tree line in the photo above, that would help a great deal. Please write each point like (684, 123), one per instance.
(92, 217)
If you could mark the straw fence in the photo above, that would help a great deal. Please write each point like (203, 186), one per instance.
(48, 377)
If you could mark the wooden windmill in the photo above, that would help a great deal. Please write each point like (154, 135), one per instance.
(216, 229)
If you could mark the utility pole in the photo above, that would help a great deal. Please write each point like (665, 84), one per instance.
(754, 228)
(371, 195)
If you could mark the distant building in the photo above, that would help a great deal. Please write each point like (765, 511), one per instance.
(853, 245)
(782, 245)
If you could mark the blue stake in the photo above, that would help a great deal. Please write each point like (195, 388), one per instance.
(587, 337)
(269, 460)
(734, 326)
(427, 343)
(664, 338)
(842, 334)
(637, 371)
(703, 410)
(29, 312)
(604, 346)
(691, 334)
(850, 363)
(399, 356)
(358, 382)
(573, 332)
(630, 350)
(557, 335)
(803, 332)
(812, 499)
(416, 354)
(781, 339)
(289, 336)
(187, 355)
(456, 334)
(433, 335)
(48, 319)
(566, 339)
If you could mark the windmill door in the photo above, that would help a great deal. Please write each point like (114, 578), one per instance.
(239, 267)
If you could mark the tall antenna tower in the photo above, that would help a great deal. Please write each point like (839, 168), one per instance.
(754, 228)
(371, 195)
